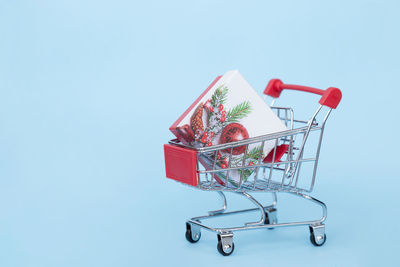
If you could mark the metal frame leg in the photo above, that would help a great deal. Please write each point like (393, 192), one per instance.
(260, 207)
(316, 201)
(268, 220)
(224, 207)
(271, 212)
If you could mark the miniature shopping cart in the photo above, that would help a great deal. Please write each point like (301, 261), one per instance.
(295, 149)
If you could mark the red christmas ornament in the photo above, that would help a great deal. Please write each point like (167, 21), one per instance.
(231, 133)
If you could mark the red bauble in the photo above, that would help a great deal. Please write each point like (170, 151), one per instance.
(231, 133)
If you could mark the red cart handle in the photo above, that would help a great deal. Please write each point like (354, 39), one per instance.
(330, 97)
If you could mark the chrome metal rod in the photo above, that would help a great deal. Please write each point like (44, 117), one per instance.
(223, 209)
(246, 141)
(228, 213)
(253, 227)
(259, 225)
(258, 204)
(316, 201)
(255, 166)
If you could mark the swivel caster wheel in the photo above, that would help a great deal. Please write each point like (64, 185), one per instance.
(225, 244)
(317, 235)
(270, 217)
(193, 233)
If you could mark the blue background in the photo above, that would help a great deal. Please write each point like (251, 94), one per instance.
(88, 90)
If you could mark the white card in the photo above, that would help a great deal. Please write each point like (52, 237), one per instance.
(229, 110)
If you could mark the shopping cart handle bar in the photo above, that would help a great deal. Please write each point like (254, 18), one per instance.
(330, 97)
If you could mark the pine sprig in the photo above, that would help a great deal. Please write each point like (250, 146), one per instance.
(239, 112)
(220, 95)
(254, 153)
(252, 156)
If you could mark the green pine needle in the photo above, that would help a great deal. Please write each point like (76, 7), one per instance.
(254, 153)
(220, 95)
(239, 112)
(252, 156)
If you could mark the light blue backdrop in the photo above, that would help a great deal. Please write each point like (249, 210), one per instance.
(88, 90)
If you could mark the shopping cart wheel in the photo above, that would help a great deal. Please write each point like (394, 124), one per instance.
(270, 216)
(193, 233)
(317, 235)
(225, 244)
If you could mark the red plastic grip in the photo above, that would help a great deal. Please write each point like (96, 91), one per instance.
(181, 164)
(330, 97)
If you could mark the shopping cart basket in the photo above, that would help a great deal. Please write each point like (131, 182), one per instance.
(279, 171)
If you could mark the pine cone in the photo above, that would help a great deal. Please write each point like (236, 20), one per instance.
(196, 121)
